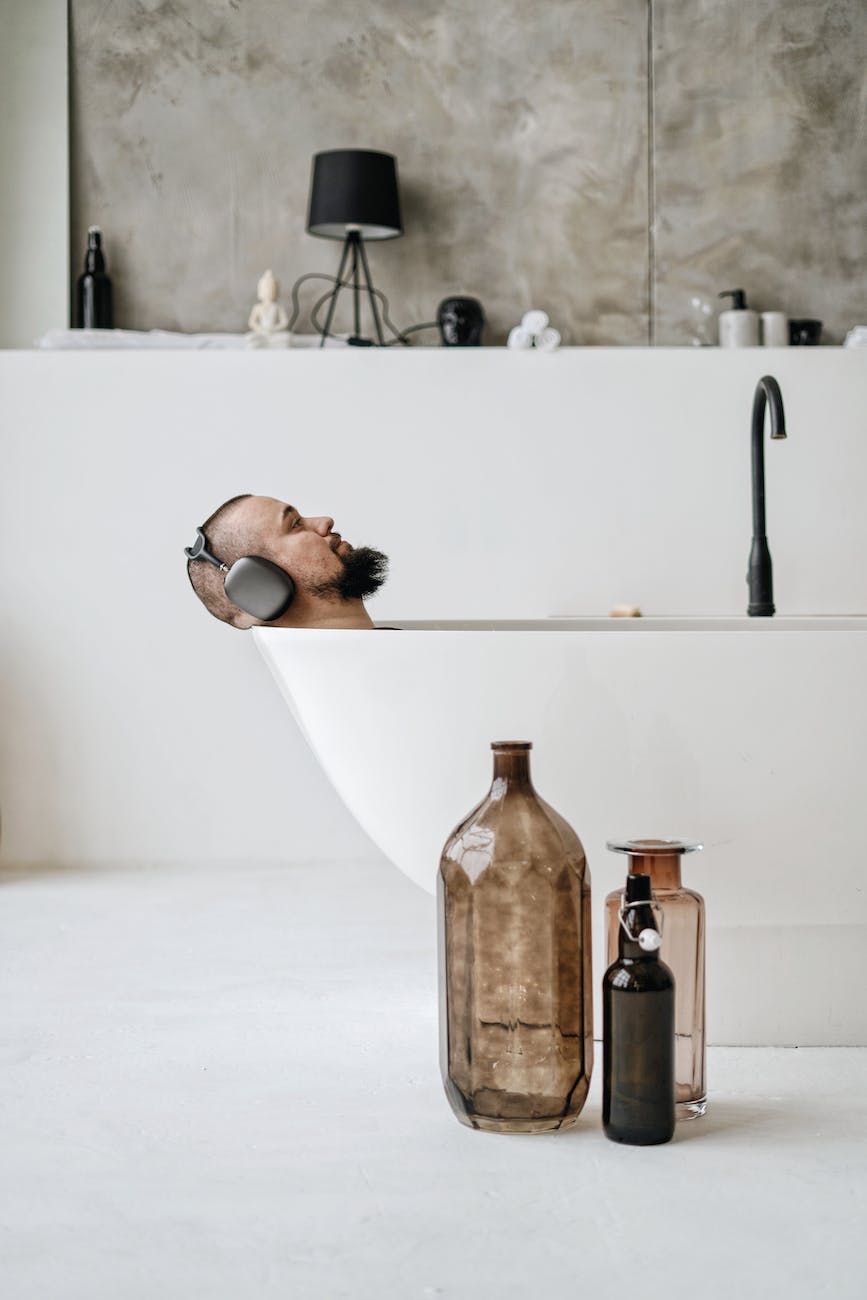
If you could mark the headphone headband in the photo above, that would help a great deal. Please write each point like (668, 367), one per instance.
(199, 551)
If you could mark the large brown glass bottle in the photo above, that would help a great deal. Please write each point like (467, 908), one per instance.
(683, 942)
(516, 1015)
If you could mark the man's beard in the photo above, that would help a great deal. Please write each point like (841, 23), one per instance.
(364, 571)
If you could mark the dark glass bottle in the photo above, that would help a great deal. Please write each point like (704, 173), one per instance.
(638, 1029)
(93, 290)
(516, 1014)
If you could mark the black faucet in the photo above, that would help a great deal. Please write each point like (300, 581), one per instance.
(760, 576)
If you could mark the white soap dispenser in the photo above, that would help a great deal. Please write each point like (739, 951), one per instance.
(739, 324)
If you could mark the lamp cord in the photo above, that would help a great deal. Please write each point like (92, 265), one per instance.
(400, 336)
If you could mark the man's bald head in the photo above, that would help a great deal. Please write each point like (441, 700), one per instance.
(332, 578)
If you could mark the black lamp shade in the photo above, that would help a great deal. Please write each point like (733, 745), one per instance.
(354, 189)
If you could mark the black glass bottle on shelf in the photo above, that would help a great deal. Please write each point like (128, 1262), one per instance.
(93, 290)
(638, 1028)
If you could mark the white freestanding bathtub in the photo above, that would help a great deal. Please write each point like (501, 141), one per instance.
(747, 734)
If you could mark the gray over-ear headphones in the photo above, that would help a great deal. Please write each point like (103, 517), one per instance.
(256, 585)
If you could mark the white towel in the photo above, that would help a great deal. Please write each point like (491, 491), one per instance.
(88, 340)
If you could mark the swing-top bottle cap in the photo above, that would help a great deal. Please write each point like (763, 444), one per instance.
(638, 889)
(649, 940)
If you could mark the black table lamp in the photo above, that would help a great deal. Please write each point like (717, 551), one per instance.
(353, 197)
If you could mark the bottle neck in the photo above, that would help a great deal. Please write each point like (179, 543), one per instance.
(511, 771)
(631, 950)
(94, 260)
(663, 869)
(635, 919)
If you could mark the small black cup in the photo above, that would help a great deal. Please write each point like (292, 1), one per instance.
(805, 333)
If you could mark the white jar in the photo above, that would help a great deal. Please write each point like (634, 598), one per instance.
(775, 329)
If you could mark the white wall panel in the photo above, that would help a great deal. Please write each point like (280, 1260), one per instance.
(34, 170)
(135, 727)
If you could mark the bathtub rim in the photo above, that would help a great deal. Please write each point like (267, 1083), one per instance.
(600, 624)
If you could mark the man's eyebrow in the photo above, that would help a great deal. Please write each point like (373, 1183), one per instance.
(287, 511)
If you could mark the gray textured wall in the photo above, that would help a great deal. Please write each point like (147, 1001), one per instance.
(606, 159)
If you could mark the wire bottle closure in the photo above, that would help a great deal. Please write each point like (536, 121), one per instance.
(640, 902)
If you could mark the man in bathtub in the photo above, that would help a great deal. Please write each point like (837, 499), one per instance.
(258, 562)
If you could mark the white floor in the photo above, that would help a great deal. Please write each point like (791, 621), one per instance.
(224, 1083)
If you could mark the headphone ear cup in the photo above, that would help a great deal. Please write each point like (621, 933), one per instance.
(259, 587)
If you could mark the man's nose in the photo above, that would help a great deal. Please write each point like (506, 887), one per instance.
(322, 525)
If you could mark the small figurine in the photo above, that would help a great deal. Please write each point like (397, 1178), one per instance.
(460, 321)
(534, 331)
(268, 323)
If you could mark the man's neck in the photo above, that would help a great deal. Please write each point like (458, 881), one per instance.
(326, 614)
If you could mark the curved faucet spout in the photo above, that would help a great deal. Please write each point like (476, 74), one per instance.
(760, 574)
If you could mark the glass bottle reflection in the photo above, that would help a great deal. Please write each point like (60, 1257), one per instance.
(516, 1023)
(683, 951)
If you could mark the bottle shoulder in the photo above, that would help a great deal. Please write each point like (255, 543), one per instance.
(692, 895)
(514, 828)
(680, 897)
(638, 976)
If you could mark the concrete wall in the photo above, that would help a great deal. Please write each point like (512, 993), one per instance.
(609, 160)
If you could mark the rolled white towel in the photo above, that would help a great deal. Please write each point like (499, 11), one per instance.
(548, 340)
(534, 322)
(519, 338)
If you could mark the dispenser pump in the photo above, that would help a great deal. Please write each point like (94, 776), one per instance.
(738, 324)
